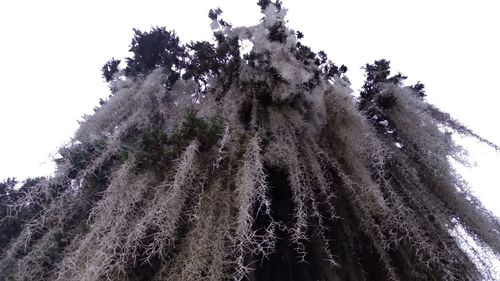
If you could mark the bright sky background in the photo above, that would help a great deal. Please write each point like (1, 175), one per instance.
(51, 53)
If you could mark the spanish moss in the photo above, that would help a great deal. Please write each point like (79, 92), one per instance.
(207, 163)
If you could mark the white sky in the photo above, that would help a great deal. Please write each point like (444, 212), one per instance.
(51, 53)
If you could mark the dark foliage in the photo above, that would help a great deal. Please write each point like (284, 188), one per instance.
(375, 105)
(263, 4)
(109, 69)
(277, 33)
(214, 14)
(207, 132)
(156, 48)
(418, 89)
(78, 156)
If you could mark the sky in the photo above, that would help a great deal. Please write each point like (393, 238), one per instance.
(51, 53)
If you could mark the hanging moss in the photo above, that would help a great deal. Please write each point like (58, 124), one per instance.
(204, 165)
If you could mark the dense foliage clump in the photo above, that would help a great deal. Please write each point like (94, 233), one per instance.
(207, 163)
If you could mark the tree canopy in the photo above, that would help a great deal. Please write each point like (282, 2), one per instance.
(208, 162)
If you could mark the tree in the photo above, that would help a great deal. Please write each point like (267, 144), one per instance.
(207, 163)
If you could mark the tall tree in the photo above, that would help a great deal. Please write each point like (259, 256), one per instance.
(207, 163)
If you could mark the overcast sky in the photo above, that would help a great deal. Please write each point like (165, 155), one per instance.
(51, 53)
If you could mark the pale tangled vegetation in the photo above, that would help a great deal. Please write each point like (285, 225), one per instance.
(267, 171)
